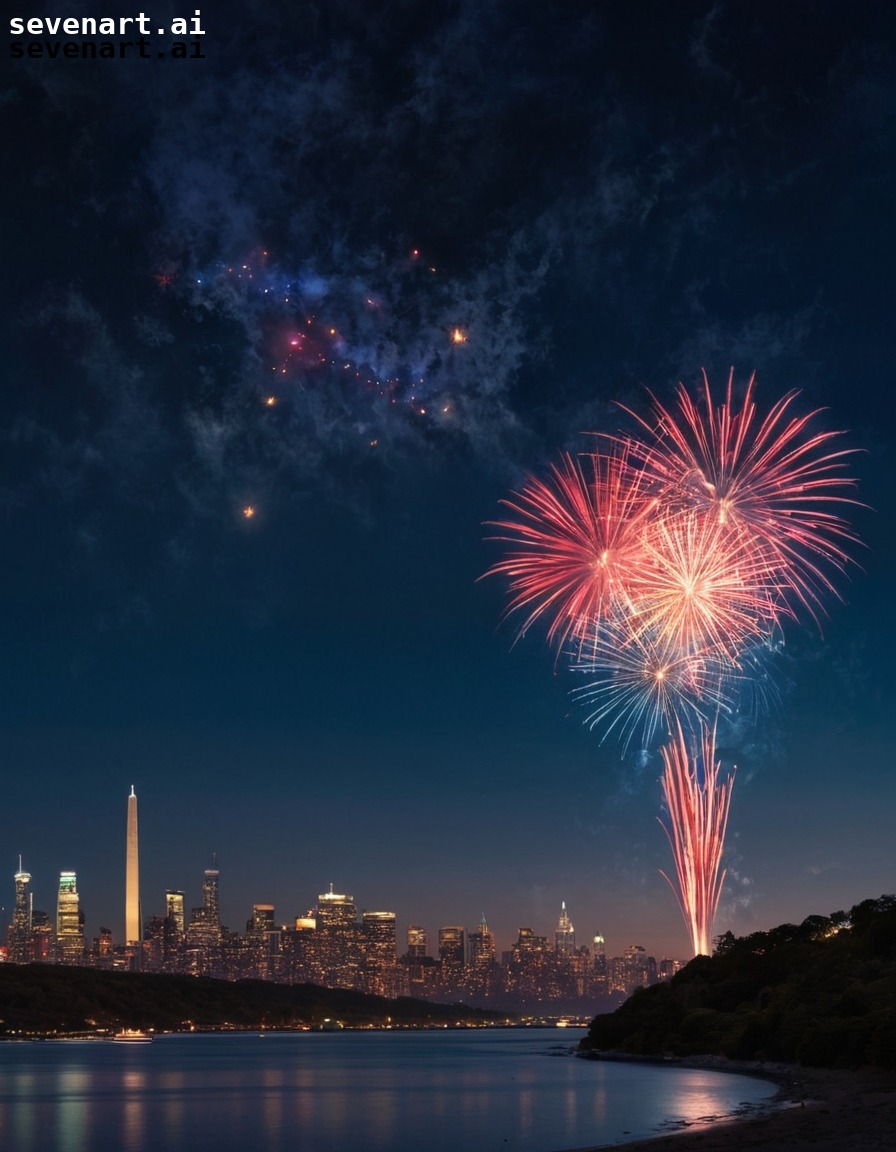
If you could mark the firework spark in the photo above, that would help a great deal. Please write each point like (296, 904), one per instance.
(697, 801)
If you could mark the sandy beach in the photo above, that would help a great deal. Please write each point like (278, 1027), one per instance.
(825, 1111)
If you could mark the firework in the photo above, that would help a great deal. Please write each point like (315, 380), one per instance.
(775, 483)
(577, 539)
(666, 566)
(701, 587)
(637, 681)
(697, 802)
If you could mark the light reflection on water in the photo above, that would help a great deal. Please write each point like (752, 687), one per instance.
(364, 1092)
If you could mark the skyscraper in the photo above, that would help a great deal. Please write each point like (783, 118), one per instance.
(20, 951)
(263, 919)
(204, 929)
(174, 905)
(69, 921)
(482, 946)
(418, 944)
(335, 911)
(380, 954)
(420, 969)
(451, 950)
(565, 934)
(338, 939)
(599, 965)
(173, 931)
(480, 974)
(210, 900)
(41, 937)
(132, 933)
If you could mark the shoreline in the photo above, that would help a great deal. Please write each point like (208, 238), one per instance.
(822, 1109)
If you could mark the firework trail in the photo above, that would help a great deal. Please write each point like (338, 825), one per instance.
(697, 802)
(665, 567)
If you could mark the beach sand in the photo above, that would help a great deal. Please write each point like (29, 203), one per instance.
(827, 1111)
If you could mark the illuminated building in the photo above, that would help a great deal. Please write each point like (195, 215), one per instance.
(418, 944)
(262, 918)
(204, 931)
(298, 947)
(528, 968)
(527, 941)
(634, 969)
(419, 968)
(41, 938)
(263, 938)
(210, 901)
(162, 945)
(380, 954)
(668, 968)
(480, 975)
(338, 940)
(19, 938)
(102, 949)
(452, 950)
(173, 932)
(335, 911)
(132, 932)
(154, 944)
(482, 946)
(599, 966)
(69, 921)
(565, 934)
(174, 905)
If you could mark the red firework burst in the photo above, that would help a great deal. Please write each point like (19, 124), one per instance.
(774, 482)
(701, 587)
(577, 539)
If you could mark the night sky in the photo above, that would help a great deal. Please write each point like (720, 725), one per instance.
(599, 199)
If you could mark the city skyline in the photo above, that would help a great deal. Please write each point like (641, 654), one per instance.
(335, 945)
(283, 326)
(175, 902)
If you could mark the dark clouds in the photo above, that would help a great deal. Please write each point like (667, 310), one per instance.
(608, 201)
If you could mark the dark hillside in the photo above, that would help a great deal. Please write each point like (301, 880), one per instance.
(45, 999)
(822, 993)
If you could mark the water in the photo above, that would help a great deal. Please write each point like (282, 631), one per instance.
(475, 1091)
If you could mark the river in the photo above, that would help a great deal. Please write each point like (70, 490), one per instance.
(482, 1090)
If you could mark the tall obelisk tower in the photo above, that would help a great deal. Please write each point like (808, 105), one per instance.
(132, 877)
